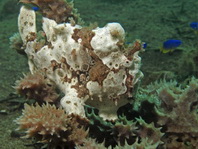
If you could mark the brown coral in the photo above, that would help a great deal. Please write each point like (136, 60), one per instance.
(16, 43)
(91, 144)
(36, 86)
(58, 10)
(178, 108)
(49, 124)
(149, 132)
(179, 142)
(124, 131)
(177, 113)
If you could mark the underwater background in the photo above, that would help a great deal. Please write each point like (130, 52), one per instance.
(152, 21)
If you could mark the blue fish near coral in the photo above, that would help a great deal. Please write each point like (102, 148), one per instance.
(35, 8)
(144, 45)
(170, 45)
(194, 25)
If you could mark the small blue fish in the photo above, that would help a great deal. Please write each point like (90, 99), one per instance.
(170, 45)
(144, 45)
(35, 8)
(194, 25)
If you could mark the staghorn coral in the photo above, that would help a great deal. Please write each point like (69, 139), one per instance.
(174, 108)
(89, 65)
(36, 86)
(122, 132)
(111, 133)
(182, 141)
(149, 132)
(145, 144)
(51, 125)
(57, 10)
(91, 144)
(178, 111)
(178, 108)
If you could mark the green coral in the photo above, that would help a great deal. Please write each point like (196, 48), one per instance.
(174, 108)
(122, 132)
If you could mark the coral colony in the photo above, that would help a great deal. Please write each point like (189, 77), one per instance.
(80, 77)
